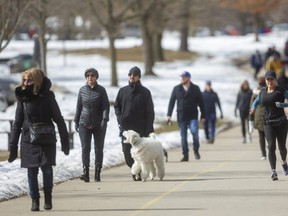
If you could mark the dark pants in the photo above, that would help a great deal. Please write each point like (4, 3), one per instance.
(244, 123)
(262, 143)
(47, 172)
(126, 148)
(209, 126)
(257, 69)
(86, 137)
(192, 125)
(272, 134)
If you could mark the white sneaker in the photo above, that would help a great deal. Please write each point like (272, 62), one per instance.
(263, 158)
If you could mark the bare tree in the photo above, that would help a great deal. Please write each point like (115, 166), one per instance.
(11, 13)
(255, 8)
(145, 10)
(110, 14)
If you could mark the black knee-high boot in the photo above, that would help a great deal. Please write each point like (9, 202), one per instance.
(85, 176)
(97, 174)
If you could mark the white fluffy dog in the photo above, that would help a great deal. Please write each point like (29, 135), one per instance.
(147, 153)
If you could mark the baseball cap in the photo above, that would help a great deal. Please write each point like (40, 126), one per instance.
(270, 74)
(185, 74)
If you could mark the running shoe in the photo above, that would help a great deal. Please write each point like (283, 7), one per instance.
(274, 176)
(285, 169)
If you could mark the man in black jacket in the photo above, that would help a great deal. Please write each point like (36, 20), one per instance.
(189, 98)
(134, 110)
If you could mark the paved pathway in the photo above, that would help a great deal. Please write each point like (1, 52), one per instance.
(230, 179)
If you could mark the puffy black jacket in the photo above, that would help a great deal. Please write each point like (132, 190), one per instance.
(134, 109)
(40, 108)
(187, 103)
(92, 106)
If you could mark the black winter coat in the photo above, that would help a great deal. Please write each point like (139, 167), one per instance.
(92, 106)
(134, 109)
(187, 102)
(40, 108)
(243, 102)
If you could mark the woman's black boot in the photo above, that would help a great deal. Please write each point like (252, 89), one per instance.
(85, 176)
(35, 205)
(48, 201)
(97, 174)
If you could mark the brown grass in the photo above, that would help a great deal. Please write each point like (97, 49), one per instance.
(3, 155)
(134, 54)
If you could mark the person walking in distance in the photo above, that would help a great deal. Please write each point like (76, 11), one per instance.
(189, 98)
(91, 117)
(36, 104)
(243, 104)
(211, 99)
(275, 120)
(134, 110)
(256, 62)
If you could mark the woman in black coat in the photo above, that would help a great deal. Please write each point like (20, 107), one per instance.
(40, 106)
(243, 104)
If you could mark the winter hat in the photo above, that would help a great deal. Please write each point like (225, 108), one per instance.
(208, 82)
(92, 70)
(185, 74)
(136, 71)
(270, 74)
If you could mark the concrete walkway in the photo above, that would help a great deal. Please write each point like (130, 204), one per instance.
(230, 179)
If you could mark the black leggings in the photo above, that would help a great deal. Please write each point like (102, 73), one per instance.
(244, 123)
(272, 134)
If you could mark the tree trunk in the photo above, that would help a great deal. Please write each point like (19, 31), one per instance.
(184, 31)
(256, 26)
(41, 22)
(184, 38)
(113, 55)
(158, 50)
(148, 47)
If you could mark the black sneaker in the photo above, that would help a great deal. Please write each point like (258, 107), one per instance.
(274, 176)
(197, 155)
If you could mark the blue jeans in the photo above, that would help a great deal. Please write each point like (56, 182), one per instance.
(209, 126)
(47, 172)
(192, 125)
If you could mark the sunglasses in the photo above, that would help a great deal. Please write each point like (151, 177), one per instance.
(28, 80)
(132, 74)
(90, 75)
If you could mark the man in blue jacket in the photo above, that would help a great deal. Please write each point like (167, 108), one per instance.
(189, 98)
(211, 100)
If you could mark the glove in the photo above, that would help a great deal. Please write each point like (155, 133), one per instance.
(13, 153)
(103, 124)
(66, 149)
(251, 126)
(235, 113)
(221, 116)
(77, 127)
